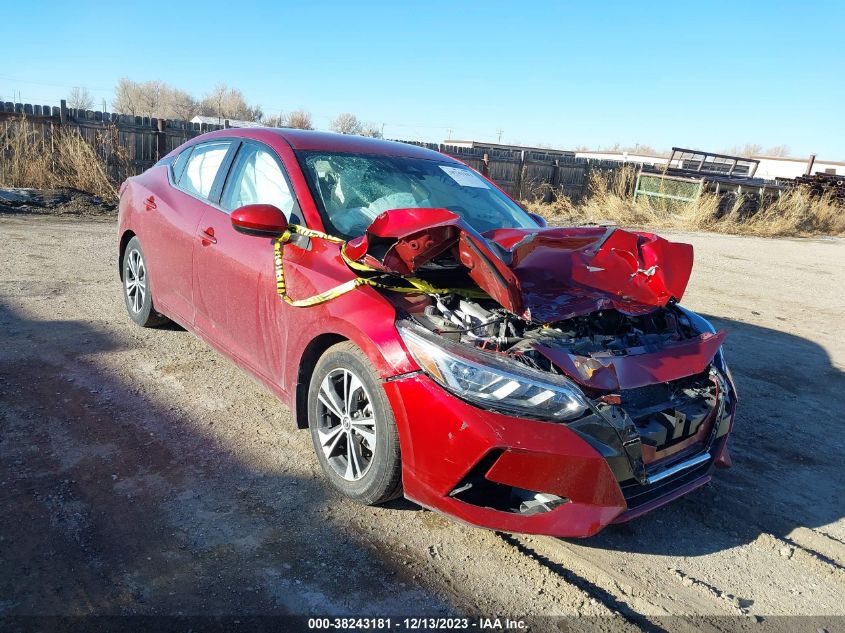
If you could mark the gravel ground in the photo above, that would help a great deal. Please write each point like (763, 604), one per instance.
(142, 473)
(54, 202)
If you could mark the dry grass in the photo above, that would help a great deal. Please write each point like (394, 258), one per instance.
(29, 157)
(795, 213)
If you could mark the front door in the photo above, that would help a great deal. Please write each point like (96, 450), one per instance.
(235, 287)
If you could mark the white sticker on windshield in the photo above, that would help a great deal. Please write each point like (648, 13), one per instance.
(465, 177)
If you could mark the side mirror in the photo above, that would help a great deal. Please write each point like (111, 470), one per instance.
(259, 219)
(539, 219)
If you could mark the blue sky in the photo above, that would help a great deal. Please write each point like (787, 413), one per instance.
(708, 75)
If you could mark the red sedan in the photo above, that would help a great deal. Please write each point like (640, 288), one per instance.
(438, 341)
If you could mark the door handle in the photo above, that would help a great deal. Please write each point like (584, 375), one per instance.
(150, 204)
(207, 236)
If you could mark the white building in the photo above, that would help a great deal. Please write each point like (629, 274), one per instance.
(772, 167)
(769, 168)
(624, 157)
(470, 144)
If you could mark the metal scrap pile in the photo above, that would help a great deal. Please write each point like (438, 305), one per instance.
(688, 173)
(821, 184)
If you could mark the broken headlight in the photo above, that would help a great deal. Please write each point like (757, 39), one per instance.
(493, 382)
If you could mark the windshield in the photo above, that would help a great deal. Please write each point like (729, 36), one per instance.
(353, 189)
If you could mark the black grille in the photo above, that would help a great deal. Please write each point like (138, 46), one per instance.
(645, 397)
(667, 413)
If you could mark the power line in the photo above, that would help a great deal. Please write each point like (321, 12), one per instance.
(51, 85)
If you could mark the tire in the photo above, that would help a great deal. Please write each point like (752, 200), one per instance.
(366, 474)
(136, 287)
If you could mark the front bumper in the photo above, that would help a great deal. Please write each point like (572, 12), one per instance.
(447, 443)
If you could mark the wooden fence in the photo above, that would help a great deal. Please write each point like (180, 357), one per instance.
(530, 173)
(127, 144)
(130, 144)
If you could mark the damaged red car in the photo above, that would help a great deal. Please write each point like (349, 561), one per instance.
(438, 341)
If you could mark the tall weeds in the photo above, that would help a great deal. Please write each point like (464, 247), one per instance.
(610, 199)
(44, 159)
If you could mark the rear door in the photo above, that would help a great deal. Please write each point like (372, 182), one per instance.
(235, 289)
(173, 217)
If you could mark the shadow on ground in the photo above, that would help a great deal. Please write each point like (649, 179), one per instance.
(110, 504)
(786, 447)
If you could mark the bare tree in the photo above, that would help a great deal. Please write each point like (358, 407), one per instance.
(749, 149)
(158, 99)
(298, 119)
(127, 97)
(778, 150)
(80, 98)
(641, 148)
(152, 97)
(372, 130)
(228, 103)
(138, 98)
(212, 103)
(254, 113)
(181, 105)
(347, 123)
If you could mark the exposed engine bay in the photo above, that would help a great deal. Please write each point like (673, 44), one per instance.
(664, 413)
(633, 426)
(593, 308)
(603, 333)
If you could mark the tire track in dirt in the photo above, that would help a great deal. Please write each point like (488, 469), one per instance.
(791, 550)
(813, 549)
(651, 592)
(613, 602)
(826, 535)
(823, 545)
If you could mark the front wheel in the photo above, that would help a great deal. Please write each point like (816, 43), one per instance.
(353, 428)
(136, 287)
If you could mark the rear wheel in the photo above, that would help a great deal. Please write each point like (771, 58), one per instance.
(136, 287)
(352, 427)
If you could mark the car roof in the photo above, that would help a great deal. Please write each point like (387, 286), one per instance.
(329, 141)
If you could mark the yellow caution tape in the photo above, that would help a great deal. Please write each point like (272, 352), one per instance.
(417, 285)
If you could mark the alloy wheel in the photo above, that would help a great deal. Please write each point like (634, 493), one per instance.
(135, 281)
(347, 429)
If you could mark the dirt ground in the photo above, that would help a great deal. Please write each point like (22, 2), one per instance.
(61, 202)
(142, 473)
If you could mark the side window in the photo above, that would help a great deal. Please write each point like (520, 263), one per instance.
(178, 165)
(202, 166)
(257, 178)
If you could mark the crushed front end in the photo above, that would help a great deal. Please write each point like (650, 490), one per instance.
(562, 386)
(614, 452)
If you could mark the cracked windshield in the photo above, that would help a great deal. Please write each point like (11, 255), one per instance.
(353, 189)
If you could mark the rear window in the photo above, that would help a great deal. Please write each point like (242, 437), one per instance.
(178, 165)
(202, 166)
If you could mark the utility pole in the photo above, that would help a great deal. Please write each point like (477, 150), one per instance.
(500, 134)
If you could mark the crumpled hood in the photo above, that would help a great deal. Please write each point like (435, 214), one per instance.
(544, 274)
